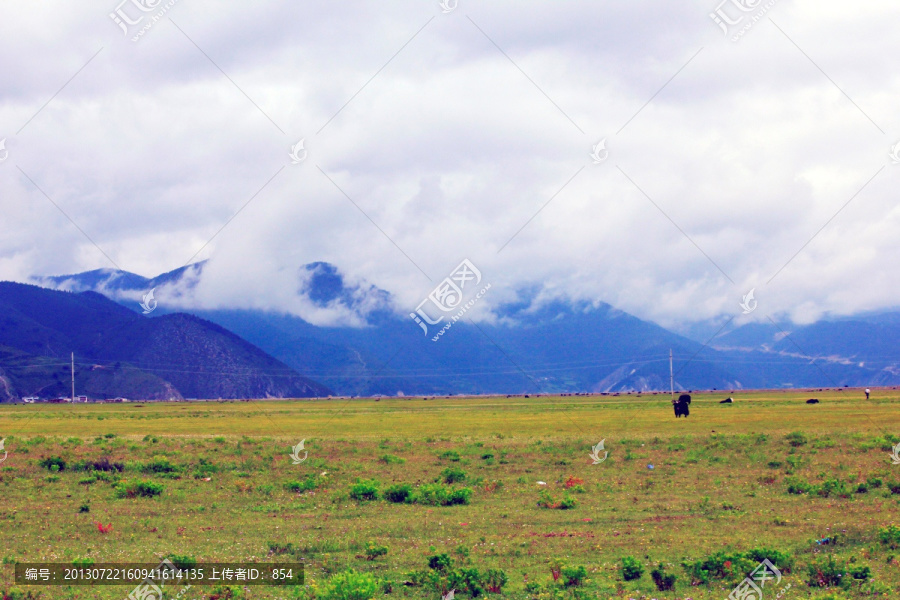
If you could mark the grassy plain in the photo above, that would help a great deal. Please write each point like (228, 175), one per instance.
(719, 483)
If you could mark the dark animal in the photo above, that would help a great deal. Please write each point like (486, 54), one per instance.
(727, 401)
(812, 401)
(681, 405)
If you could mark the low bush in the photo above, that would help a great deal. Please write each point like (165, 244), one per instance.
(390, 459)
(797, 486)
(158, 465)
(663, 581)
(890, 536)
(631, 568)
(453, 475)
(828, 573)
(310, 482)
(350, 585)
(54, 464)
(374, 550)
(401, 493)
(432, 494)
(796, 439)
(460, 496)
(364, 490)
(144, 489)
(573, 576)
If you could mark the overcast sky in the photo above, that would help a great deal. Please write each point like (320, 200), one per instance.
(431, 136)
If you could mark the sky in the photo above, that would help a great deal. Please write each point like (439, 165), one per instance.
(629, 152)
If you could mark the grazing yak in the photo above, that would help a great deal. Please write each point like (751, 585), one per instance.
(727, 401)
(812, 401)
(681, 405)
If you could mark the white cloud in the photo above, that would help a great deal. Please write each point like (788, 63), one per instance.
(450, 150)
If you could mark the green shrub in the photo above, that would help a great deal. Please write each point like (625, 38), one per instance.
(862, 572)
(460, 496)
(373, 550)
(159, 465)
(401, 493)
(573, 576)
(351, 586)
(183, 561)
(796, 439)
(567, 502)
(364, 490)
(453, 475)
(827, 574)
(390, 459)
(432, 494)
(279, 549)
(782, 560)
(631, 568)
(205, 469)
(719, 565)
(54, 464)
(451, 455)
(890, 536)
(663, 581)
(440, 562)
(146, 489)
(310, 482)
(494, 580)
(468, 580)
(833, 487)
(797, 486)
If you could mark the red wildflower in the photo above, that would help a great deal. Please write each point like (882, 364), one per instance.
(103, 529)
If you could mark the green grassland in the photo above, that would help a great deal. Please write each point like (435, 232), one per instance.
(764, 477)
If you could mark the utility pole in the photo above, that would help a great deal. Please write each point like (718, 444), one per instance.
(671, 376)
(73, 378)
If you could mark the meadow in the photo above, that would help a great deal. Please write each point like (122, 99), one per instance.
(494, 497)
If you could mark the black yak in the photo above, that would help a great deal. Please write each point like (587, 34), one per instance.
(812, 401)
(727, 401)
(681, 405)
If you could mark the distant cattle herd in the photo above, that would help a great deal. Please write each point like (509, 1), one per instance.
(682, 405)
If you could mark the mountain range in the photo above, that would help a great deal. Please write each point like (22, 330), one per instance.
(555, 347)
(119, 352)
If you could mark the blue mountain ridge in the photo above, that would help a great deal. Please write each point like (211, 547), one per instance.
(558, 346)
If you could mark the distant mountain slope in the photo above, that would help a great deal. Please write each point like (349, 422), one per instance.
(123, 353)
(551, 347)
